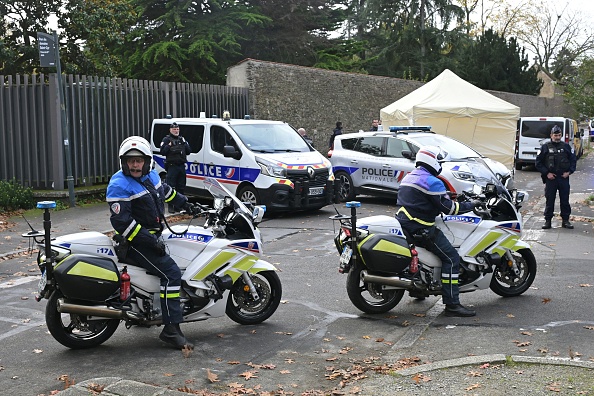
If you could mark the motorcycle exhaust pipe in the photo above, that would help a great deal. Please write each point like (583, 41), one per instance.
(103, 312)
(387, 280)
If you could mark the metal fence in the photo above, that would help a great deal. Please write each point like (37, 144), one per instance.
(101, 112)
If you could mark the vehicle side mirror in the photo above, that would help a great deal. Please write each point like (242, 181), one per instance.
(230, 151)
(408, 154)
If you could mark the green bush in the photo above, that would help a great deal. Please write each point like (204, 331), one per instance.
(14, 196)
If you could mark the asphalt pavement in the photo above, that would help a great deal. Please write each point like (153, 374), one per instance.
(96, 217)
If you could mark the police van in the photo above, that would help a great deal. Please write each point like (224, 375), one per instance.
(261, 162)
(533, 132)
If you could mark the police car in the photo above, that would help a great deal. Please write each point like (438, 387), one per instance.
(374, 163)
(261, 162)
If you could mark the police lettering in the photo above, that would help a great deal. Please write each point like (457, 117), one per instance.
(377, 172)
(206, 170)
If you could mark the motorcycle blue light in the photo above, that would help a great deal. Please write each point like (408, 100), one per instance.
(353, 204)
(46, 205)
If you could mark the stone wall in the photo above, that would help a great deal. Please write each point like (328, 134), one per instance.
(316, 98)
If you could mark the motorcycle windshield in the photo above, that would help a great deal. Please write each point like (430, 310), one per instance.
(218, 191)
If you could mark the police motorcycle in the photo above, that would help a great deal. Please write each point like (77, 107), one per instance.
(382, 262)
(90, 291)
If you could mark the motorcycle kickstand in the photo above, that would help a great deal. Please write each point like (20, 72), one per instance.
(248, 281)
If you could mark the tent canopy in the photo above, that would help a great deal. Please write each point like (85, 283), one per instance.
(453, 107)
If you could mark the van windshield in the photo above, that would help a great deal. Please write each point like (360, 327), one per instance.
(539, 129)
(270, 138)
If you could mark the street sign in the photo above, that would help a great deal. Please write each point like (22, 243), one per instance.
(47, 49)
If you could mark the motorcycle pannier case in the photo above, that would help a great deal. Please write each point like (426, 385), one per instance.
(89, 278)
(385, 253)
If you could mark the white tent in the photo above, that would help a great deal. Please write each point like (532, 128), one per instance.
(453, 107)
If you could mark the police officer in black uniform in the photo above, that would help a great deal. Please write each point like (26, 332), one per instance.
(175, 149)
(555, 162)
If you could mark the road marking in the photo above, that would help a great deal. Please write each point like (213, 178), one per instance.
(415, 331)
(19, 281)
(22, 327)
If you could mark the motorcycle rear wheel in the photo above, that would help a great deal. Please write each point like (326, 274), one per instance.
(75, 331)
(241, 306)
(507, 283)
(369, 297)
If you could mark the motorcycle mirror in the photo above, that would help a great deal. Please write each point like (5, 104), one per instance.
(258, 213)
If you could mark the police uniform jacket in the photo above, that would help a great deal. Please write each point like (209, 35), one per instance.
(564, 161)
(422, 197)
(137, 206)
(177, 152)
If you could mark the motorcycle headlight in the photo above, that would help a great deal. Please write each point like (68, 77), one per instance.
(269, 169)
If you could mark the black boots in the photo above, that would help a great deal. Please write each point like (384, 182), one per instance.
(564, 224)
(458, 310)
(173, 335)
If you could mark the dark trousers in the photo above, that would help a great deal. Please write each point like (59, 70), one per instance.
(551, 187)
(438, 244)
(170, 275)
(450, 265)
(176, 177)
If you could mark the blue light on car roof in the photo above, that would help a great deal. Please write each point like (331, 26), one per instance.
(410, 128)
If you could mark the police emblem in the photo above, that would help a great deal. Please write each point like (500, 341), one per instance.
(115, 208)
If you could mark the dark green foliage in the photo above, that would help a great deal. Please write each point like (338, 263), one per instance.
(14, 196)
(500, 65)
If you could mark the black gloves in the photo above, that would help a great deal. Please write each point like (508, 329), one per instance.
(476, 203)
(189, 208)
(160, 248)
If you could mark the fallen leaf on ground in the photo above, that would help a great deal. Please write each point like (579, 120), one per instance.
(212, 377)
(248, 374)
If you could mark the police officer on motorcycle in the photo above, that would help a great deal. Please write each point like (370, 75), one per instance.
(136, 199)
(422, 197)
(555, 162)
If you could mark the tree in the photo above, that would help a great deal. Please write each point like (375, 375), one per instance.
(297, 30)
(546, 33)
(93, 30)
(19, 24)
(496, 64)
(416, 37)
(187, 40)
(579, 89)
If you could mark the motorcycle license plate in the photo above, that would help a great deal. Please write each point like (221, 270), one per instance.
(345, 257)
(316, 190)
(42, 282)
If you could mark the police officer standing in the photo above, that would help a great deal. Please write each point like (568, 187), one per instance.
(175, 149)
(555, 162)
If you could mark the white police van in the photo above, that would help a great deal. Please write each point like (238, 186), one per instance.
(262, 162)
(533, 132)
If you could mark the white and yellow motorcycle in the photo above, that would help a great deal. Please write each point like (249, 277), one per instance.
(90, 291)
(382, 262)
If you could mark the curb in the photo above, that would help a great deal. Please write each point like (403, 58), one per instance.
(494, 358)
(115, 386)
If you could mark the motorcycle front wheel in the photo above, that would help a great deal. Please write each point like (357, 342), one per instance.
(369, 297)
(76, 331)
(507, 283)
(244, 309)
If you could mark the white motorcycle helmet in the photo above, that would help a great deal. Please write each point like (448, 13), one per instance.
(430, 158)
(135, 146)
